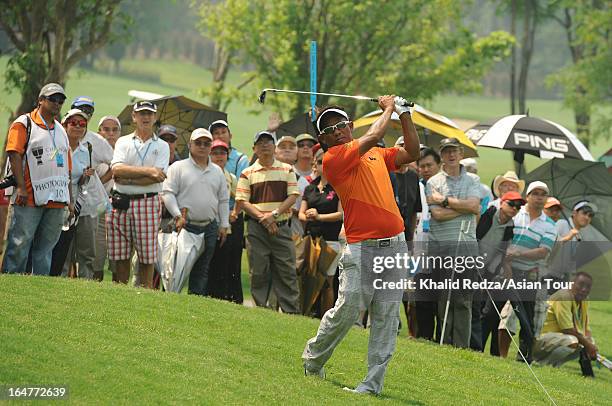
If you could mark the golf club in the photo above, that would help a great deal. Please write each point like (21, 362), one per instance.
(262, 96)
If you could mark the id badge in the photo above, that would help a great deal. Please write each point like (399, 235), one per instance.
(59, 160)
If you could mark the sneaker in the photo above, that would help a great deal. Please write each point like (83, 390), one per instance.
(320, 373)
(355, 391)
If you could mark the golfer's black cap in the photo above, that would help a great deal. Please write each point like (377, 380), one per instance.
(448, 142)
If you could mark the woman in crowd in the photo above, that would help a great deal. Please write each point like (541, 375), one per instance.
(75, 123)
(322, 214)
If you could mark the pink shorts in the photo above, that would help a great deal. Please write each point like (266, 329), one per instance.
(137, 228)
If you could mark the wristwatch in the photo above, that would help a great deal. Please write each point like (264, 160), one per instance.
(445, 202)
(275, 213)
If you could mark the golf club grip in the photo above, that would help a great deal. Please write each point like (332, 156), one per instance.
(408, 103)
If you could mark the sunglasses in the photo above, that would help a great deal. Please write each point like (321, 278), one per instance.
(169, 140)
(329, 130)
(56, 98)
(516, 204)
(78, 123)
(199, 143)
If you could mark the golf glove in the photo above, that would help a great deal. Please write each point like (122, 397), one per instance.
(401, 106)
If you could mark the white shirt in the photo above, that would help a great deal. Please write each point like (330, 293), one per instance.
(101, 152)
(203, 191)
(130, 150)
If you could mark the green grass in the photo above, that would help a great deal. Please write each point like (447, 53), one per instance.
(110, 94)
(115, 344)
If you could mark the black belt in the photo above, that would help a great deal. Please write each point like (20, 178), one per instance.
(278, 223)
(140, 196)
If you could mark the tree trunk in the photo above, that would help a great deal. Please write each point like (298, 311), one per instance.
(222, 61)
(582, 117)
(530, 17)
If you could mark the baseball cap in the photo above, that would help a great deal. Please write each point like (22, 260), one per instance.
(74, 112)
(330, 111)
(537, 185)
(305, 137)
(448, 142)
(286, 138)
(512, 196)
(145, 105)
(551, 202)
(585, 206)
(469, 163)
(51, 89)
(83, 101)
(263, 134)
(200, 133)
(219, 143)
(399, 141)
(167, 129)
(115, 119)
(217, 123)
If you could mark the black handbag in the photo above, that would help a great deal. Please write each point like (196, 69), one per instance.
(120, 201)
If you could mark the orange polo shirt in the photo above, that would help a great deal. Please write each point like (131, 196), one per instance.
(16, 143)
(365, 191)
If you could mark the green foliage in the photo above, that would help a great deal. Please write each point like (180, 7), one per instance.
(588, 82)
(49, 37)
(417, 49)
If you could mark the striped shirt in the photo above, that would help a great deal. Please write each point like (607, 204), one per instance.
(463, 187)
(267, 188)
(530, 234)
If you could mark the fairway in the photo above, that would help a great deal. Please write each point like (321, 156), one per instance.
(115, 344)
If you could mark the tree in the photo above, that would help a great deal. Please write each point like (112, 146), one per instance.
(417, 49)
(587, 82)
(50, 37)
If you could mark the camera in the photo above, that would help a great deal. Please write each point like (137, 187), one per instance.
(8, 181)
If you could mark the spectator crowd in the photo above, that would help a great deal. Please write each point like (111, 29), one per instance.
(82, 199)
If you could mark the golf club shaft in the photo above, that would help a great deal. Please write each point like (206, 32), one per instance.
(348, 96)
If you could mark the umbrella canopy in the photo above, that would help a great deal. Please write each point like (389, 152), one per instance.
(432, 127)
(180, 111)
(530, 135)
(571, 181)
(297, 125)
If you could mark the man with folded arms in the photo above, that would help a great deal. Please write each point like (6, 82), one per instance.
(139, 168)
(198, 186)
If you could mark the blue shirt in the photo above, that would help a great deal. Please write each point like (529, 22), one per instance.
(530, 234)
(236, 163)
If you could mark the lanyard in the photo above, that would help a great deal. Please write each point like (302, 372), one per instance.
(51, 132)
(142, 157)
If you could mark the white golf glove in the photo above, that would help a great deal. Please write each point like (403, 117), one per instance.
(401, 106)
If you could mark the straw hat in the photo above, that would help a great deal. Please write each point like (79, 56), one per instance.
(509, 176)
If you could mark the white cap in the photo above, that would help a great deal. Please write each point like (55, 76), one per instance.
(400, 141)
(74, 112)
(337, 111)
(286, 138)
(469, 163)
(199, 133)
(585, 203)
(537, 185)
(112, 118)
(217, 123)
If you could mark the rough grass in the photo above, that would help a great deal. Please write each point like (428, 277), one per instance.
(119, 345)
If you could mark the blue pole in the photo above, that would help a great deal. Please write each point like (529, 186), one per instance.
(313, 77)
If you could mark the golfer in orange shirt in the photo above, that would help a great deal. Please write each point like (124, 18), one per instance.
(359, 173)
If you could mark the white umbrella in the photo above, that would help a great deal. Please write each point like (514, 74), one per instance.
(178, 254)
(531, 135)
